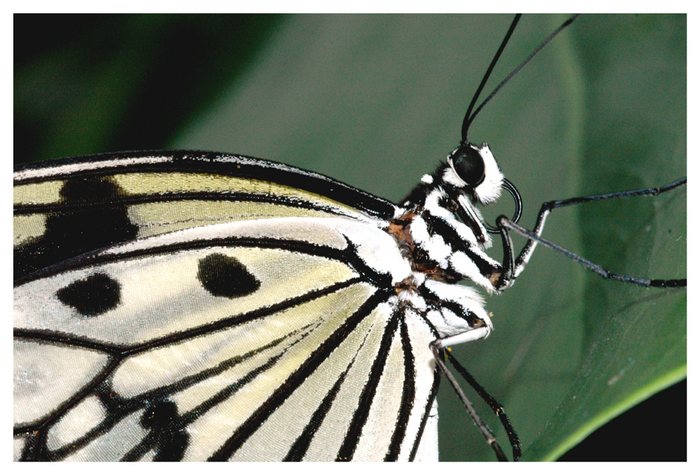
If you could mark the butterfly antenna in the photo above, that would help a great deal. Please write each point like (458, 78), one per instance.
(469, 117)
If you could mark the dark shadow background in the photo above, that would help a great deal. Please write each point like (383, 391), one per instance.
(91, 83)
(640, 434)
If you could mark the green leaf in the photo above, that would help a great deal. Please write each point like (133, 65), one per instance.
(377, 100)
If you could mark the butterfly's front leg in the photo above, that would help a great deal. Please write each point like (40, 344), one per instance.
(514, 266)
(458, 315)
(456, 312)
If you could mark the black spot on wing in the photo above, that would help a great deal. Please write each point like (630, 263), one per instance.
(171, 442)
(79, 225)
(91, 296)
(226, 276)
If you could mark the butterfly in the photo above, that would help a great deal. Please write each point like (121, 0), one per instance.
(203, 159)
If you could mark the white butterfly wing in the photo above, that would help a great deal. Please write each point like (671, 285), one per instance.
(260, 339)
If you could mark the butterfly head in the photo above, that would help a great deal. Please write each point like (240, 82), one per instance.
(445, 205)
(474, 171)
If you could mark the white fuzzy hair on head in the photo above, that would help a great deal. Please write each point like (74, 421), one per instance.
(489, 190)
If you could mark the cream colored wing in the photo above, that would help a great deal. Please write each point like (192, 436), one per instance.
(274, 339)
(71, 207)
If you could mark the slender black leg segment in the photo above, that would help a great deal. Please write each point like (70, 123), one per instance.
(480, 424)
(508, 264)
(535, 236)
(495, 406)
(620, 194)
(503, 221)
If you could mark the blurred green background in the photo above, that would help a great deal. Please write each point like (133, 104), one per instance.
(376, 101)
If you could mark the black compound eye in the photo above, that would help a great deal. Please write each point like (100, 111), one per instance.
(469, 165)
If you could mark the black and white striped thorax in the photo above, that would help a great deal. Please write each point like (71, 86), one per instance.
(152, 312)
(444, 237)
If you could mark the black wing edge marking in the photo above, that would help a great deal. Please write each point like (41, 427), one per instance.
(431, 396)
(225, 164)
(151, 441)
(169, 197)
(301, 445)
(120, 408)
(348, 256)
(118, 354)
(245, 430)
(408, 395)
(130, 350)
(359, 418)
(426, 414)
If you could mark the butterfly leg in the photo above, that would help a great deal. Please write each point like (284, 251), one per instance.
(495, 406)
(457, 313)
(514, 266)
(440, 354)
